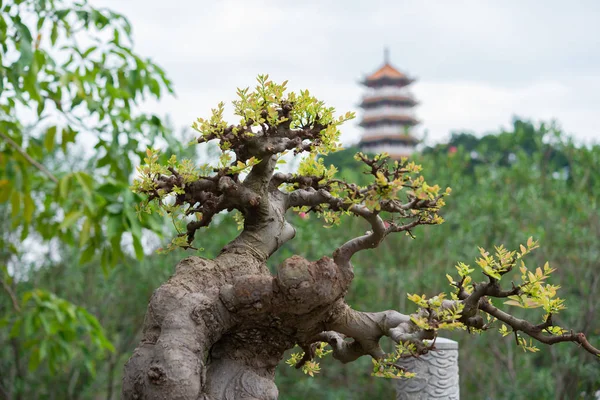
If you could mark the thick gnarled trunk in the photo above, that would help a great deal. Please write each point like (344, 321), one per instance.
(218, 328)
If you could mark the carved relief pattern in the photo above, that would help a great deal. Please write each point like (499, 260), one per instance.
(437, 376)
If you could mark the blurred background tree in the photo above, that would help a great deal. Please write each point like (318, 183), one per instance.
(75, 282)
(70, 136)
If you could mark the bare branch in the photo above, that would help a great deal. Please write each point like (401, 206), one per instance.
(368, 328)
(369, 241)
(343, 351)
(269, 140)
(311, 197)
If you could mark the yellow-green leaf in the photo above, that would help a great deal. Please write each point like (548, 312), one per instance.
(50, 138)
(63, 186)
(28, 208)
(85, 232)
(70, 219)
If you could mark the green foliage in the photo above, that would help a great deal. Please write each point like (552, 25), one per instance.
(55, 95)
(262, 106)
(387, 367)
(55, 330)
(70, 137)
(310, 367)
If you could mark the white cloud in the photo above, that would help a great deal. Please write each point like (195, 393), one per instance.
(482, 107)
(479, 62)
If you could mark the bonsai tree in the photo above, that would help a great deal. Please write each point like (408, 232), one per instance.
(218, 328)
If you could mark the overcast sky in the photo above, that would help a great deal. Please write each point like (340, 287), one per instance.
(478, 63)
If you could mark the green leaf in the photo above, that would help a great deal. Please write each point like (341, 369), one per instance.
(34, 360)
(70, 219)
(15, 204)
(139, 250)
(87, 184)
(28, 207)
(61, 14)
(54, 33)
(110, 189)
(43, 349)
(63, 186)
(5, 190)
(27, 296)
(87, 254)
(25, 43)
(50, 138)
(67, 136)
(44, 323)
(117, 252)
(84, 236)
(114, 225)
(15, 331)
(89, 51)
(134, 223)
(40, 22)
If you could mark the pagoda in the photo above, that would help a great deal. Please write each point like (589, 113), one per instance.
(388, 117)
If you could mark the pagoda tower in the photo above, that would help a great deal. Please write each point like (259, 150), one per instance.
(388, 116)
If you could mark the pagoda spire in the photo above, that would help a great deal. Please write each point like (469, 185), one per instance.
(388, 117)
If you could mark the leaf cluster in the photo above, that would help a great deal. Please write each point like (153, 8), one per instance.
(55, 95)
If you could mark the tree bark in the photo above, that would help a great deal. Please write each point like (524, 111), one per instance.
(219, 328)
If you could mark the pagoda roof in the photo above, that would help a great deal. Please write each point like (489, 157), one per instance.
(386, 71)
(400, 137)
(387, 74)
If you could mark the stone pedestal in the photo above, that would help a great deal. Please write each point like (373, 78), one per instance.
(437, 374)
